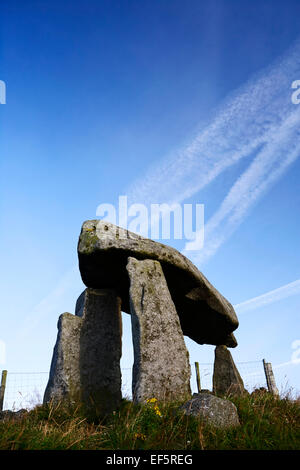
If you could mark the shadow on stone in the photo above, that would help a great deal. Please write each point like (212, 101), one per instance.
(85, 368)
(100, 352)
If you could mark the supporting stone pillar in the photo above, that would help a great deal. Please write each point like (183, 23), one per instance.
(226, 377)
(86, 360)
(101, 350)
(64, 378)
(161, 360)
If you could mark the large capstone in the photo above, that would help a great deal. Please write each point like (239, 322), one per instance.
(161, 361)
(86, 360)
(205, 315)
(226, 377)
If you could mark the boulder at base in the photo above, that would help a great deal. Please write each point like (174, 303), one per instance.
(212, 410)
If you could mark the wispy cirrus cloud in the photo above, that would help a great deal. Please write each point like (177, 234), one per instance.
(246, 120)
(269, 164)
(257, 121)
(293, 288)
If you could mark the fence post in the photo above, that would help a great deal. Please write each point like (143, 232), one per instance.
(270, 378)
(198, 376)
(2, 388)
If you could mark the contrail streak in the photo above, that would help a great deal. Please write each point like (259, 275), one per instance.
(282, 149)
(245, 121)
(293, 288)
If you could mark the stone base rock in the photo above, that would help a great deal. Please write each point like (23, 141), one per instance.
(85, 366)
(212, 410)
(226, 378)
(161, 360)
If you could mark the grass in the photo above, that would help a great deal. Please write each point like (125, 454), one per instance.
(267, 423)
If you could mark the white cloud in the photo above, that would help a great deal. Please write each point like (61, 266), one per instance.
(248, 119)
(285, 364)
(258, 119)
(281, 150)
(293, 288)
(245, 121)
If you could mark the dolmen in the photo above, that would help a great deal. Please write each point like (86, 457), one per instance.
(167, 298)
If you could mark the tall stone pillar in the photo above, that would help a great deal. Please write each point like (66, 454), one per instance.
(101, 350)
(64, 379)
(226, 377)
(161, 360)
(86, 360)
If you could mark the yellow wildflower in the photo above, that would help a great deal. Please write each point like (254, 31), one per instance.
(151, 400)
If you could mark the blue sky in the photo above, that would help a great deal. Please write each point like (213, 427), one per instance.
(161, 101)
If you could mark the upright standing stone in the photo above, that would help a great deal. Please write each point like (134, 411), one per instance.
(100, 350)
(161, 361)
(226, 377)
(86, 360)
(64, 378)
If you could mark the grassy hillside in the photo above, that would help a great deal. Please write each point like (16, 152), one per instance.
(266, 423)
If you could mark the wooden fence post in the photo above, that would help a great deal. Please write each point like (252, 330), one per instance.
(198, 376)
(270, 378)
(2, 388)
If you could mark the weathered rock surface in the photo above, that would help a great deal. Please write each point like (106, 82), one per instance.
(86, 360)
(161, 360)
(64, 379)
(205, 315)
(101, 350)
(212, 410)
(226, 377)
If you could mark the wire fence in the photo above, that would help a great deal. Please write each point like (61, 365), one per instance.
(26, 389)
(252, 373)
